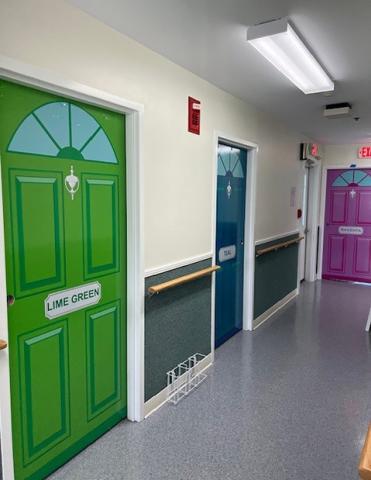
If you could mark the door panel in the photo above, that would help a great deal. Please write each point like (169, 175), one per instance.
(38, 247)
(101, 225)
(336, 247)
(230, 233)
(44, 387)
(346, 254)
(364, 208)
(362, 256)
(339, 204)
(103, 340)
(63, 171)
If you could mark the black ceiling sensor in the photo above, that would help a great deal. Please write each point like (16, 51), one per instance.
(338, 105)
(337, 110)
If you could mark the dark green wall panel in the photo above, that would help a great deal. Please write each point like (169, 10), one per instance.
(177, 324)
(275, 275)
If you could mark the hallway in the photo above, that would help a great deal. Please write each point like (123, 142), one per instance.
(300, 413)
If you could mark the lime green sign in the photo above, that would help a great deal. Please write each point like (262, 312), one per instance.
(66, 301)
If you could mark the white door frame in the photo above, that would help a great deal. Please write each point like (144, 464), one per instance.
(325, 169)
(313, 206)
(45, 80)
(303, 204)
(249, 243)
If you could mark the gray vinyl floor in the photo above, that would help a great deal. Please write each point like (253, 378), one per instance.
(290, 401)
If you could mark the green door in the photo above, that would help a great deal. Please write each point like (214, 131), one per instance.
(63, 173)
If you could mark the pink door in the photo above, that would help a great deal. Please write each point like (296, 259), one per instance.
(347, 241)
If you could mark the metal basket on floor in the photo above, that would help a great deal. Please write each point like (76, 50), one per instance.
(184, 378)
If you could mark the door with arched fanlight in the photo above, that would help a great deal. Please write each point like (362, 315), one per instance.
(63, 174)
(230, 239)
(347, 233)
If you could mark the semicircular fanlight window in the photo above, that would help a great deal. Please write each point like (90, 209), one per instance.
(352, 178)
(229, 162)
(64, 130)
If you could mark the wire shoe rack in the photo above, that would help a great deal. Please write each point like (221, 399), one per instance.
(184, 378)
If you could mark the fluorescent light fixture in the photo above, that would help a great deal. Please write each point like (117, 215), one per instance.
(278, 42)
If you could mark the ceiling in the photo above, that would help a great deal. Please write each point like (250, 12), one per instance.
(208, 38)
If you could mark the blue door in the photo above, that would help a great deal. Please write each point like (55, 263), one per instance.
(230, 236)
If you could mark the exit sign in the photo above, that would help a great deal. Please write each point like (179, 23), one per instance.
(364, 152)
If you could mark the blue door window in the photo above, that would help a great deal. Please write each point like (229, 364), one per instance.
(62, 129)
(352, 178)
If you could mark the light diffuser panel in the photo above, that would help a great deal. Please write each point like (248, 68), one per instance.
(283, 48)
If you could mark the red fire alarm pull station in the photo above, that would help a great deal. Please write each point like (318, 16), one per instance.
(194, 114)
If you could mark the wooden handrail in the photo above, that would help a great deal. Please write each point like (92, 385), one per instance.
(277, 246)
(181, 280)
(364, 467)
(3, 344)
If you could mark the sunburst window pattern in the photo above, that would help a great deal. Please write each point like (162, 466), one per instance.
(353, 178)
(61, 129)
(229, 162)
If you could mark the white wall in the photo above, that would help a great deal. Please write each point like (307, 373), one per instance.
(343, 155)
(178, 166)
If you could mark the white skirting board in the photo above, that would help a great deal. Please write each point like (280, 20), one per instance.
(275, 308)
(368, 324)
(160, 399)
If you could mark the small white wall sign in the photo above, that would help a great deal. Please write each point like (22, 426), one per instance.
(351, 230)
(72, 299)
(227, 253)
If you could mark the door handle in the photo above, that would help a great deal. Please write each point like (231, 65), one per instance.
(3, 344)
(10, 300)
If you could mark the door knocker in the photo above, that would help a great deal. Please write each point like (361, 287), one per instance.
(229, 190)
(72, 183)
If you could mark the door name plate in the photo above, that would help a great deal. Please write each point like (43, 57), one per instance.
(227, 253)
(351, 230)
(72, 299)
